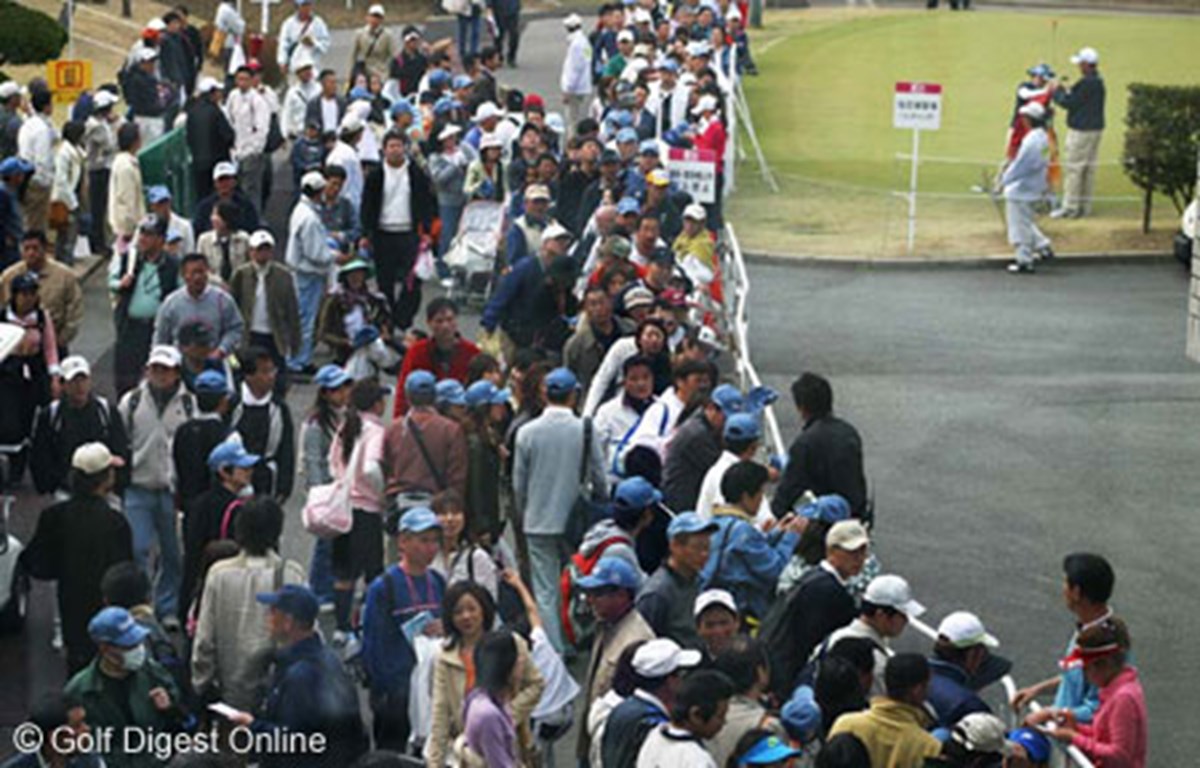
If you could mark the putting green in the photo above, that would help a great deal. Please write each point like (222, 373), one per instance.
(823, 103)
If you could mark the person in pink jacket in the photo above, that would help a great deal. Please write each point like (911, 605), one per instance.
(1117, 737)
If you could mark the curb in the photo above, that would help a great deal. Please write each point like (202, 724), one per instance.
(85, 269)
(984, 262)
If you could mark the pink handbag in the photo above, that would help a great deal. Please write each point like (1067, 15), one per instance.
(327, 512)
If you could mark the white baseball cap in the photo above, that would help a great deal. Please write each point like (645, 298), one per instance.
(75, 365)
(351, 123)
(710, 597)
(537, 192)
(490, 141)
(103, 99)
(893, 592)
(157, 24)
(208, 85)
(147, 54)
(450, 130)
(642, 16)
(981, 732)
(706, 103)
(1086, 56)
(224, 168)
(8, 89)
(486, 111)
(625, 36)
(573, 21)
(964, 630)
(91, 458)
(260, 238)
(555, 231)
(301, 60)
(848, 535)
(165, 354)
(695, 211)
(376, 10)
(313, 180)
(1034, 109)
(662, 657)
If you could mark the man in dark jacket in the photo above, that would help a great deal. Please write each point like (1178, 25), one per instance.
(275, 325)
(594, 334)
(327, 107)
(80, 416)
(826, 456)
(962, 664)
(75, 543)
(508, 28)
(533, 298)
(815, 607)
(697, 446)
(410, 64)
(175, 59)
(310, 691)
(264, 420)
(225, 190)
(397, 216)
(1084, 103)
(196, 437)
(209, 134)
(658, 668)
(143, 89)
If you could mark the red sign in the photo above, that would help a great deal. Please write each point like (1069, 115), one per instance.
(918, 88)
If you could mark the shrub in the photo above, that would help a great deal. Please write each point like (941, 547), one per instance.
(28, 36)
(1161, 141)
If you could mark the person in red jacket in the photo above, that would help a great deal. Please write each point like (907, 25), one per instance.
(445, 354)
(709, 134)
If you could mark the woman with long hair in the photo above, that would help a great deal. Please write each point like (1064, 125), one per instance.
(464, 556)
(488, 713)
(322, 423)
(356, 454)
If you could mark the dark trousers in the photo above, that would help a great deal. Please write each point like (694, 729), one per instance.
(508, 27)
(202, 179)
(266, 341)
(129, 357)
(390, 722)
(395, 255)
(98, 207)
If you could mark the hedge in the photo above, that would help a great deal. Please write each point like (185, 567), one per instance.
(1161, 140)
(28, 36)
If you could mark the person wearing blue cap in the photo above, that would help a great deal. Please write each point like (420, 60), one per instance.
(451, 400)
(487, 416)
(408, 591)
(667, 599)
(160, 201)
(760, 747)
(697, 445)
(1030, 745)
(742, 436)
(122, 688)
(744, 560)
(13, 171)
(309, 691)
(196, 437)
(1036, 88)
(556, 459)
(425, 452)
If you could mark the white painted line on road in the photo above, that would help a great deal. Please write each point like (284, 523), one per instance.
(99, 44)
(761, 51)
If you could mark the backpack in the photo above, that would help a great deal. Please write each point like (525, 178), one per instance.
(578, 622)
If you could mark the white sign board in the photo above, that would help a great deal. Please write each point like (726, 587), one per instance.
(694, 171)
(917, 106)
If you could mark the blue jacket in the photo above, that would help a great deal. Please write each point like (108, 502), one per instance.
(628, 725)
(311, 692)
(949, 695)
(1075, 692)
(387, 657)
(746, 561)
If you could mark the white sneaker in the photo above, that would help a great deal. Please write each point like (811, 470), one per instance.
(1018, 268)
(1062, 213)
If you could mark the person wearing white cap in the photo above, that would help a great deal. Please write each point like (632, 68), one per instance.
(658, 667)
(615, 64)
(1024, 185)
(79, 416)
(99, 146)
(575, 80)
(485, 119)
(209, 135)
(961, 665)
(294, 111)
(486, 179)
(250, 115)
(265, 292)
(345, 155)
(709, 133)
(303, 30)
(1084, 102)
(884, 612)
(76, 541)
(153, 411)
(448, 170)
(141, 88)
(373, 47)
(819, 604)
(310, 259)
(225, 190)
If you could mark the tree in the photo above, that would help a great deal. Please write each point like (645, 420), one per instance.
(1163, 128)
(28, 36)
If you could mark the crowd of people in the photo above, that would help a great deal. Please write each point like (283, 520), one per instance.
(571, 526)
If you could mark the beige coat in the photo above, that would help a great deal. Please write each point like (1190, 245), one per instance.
(231, 648)
(450, 689)
(60, 295)
(610, 641)
(126, 199)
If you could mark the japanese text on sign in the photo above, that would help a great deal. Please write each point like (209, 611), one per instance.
(694, 172)
(917, 105)
(68, 79)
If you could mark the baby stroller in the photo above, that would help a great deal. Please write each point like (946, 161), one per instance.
(472, 255)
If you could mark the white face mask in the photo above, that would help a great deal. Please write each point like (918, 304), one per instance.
(134, 658)
(246, 493)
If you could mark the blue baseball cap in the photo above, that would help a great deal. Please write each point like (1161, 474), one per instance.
(157, 194)
(211, 383)
(115, 626)
(669, 64)
(728, 398)
(445, 105)
(420, 383)
(418, 520)
(689, 522)
(611, 572)
(626, 135)
(368, 334)
(1042, 69)
(742, 426)
(14, 164)
(484, 392)
(622, 118)
(609, 156)
(628, 205)
(358, 92)
(648, 147)
(636, 493)
(231, 453)
(769, 750)
(450, 392)
(561, 381)
(439, 77)
(830, 508)
(461, 81)
(1036, 745)
(801, 714)
(296, 600)
(332, 377)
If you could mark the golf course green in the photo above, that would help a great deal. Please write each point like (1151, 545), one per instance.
(822, 104)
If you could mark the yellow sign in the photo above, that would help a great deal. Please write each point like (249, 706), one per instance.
(68, 79)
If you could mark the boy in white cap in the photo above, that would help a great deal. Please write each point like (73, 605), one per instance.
(1084, 103)
(885, 610)
(1024, 184)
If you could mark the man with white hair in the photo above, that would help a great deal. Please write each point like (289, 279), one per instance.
(1084, 103)
(1024, 184)
(576, 79)
(303, 31)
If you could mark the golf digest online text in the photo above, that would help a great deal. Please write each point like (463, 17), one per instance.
(28, 738)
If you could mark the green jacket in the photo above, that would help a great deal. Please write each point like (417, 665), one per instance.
(90, 689)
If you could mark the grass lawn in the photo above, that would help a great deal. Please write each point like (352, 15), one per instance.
(822, 108)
